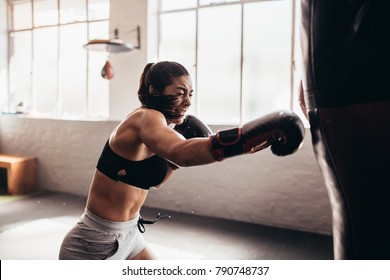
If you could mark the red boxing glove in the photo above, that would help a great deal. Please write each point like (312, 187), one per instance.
(283, 131)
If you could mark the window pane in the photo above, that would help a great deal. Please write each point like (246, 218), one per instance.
(73, 11)
(179, 45)
(211, 2)
(22, 14)
(99, 30)
(45, 70)
(98, 9)
(73, 65)
(98, 88)
(20, 70)
(51, 78)
(267, 57)
(176, 5)
(45, 12)
(219, 54)
(4, 67)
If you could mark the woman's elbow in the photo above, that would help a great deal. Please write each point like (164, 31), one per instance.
(191, 159)
(180, 159)
(191, 152)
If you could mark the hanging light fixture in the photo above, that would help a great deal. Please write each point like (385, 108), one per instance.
(113, 45)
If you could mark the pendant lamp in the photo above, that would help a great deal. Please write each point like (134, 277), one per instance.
(113, 45)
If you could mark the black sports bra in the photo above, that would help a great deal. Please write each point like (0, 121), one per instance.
(142, 174)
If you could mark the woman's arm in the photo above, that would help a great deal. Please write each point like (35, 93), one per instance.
(167, 143)
(282, 130)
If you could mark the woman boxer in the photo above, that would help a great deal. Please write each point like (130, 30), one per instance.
(142, 152)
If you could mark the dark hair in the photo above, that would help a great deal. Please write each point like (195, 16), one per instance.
(159, 75)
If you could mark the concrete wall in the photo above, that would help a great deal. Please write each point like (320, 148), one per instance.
(261, 188)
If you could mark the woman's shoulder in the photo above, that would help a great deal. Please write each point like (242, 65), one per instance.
(147, 116)
(143, 112)
(140, 119)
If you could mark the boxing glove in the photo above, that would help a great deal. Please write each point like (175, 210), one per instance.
(283, 131)
(193, 127)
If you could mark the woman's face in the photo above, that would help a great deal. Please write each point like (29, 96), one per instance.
(181, 88)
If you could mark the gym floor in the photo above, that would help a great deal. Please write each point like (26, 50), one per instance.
(32, 227)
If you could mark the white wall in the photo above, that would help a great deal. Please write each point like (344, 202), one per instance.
(126, 16)
(261, 188)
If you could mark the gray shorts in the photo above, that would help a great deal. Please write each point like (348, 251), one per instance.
(94, 238)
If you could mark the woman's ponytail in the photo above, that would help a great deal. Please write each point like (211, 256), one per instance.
(143, 82)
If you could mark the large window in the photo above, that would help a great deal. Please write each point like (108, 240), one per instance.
(241, 55)
(50, 74)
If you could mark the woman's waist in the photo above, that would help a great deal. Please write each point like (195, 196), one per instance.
(117, 213)
(94, 220)
(112, 203)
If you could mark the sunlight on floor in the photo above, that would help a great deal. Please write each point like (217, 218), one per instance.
(41, 240)
(8, 198)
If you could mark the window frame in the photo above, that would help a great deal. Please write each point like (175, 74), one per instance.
(294, 64)
(59, 114)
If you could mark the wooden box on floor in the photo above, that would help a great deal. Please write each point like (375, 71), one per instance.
(21, 173)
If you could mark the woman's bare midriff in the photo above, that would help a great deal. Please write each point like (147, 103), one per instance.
(114, 201)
